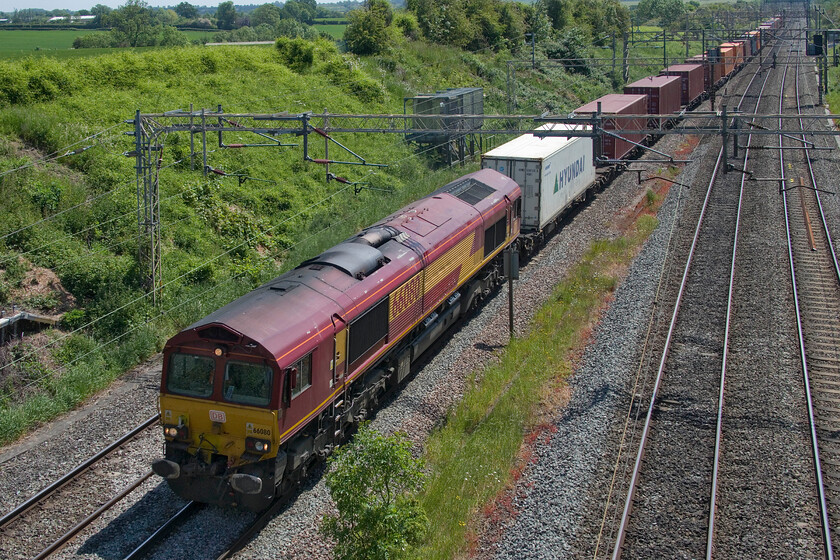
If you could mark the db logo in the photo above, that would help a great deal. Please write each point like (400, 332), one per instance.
(217, 416)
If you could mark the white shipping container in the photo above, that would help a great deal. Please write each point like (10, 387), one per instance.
(552, 172)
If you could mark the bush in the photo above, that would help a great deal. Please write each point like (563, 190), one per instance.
(367, 32)
(351, 79)
(13, 84)
(373, 481)
(94, 41)
(407, 22)
(297, 54)
(45, 195)
(95, 276)
(73, 319)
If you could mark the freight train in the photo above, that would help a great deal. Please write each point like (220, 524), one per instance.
(253, 394)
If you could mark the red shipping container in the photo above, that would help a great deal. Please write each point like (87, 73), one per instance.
(703, 61)
(664, 94)
(693, 80)
(619, 104)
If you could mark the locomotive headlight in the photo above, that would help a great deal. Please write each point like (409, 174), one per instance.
(257, 445)
(176, 432)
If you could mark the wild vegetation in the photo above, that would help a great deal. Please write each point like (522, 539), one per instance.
(374, 481)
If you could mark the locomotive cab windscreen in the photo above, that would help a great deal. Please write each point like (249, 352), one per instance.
(242, 382)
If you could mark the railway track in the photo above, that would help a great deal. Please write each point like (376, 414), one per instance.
(815, 277)
(37, 528)
(701, 447)
(667, 504)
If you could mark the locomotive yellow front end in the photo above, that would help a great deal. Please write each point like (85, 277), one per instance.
(221, 432)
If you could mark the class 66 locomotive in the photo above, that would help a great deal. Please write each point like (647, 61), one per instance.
(255, 392)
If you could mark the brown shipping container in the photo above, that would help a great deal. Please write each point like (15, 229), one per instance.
(738, 49)
(693, 80)
(727, 57)
(703, 61)
(664, 94)
(747, 41)
(619, 104)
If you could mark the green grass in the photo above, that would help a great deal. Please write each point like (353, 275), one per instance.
(833, 96)
(336, 31)
(206, 36)
(30, 40)
(17, 44)
(474, 456)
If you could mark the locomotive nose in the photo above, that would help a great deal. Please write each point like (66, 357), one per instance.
(166, 469)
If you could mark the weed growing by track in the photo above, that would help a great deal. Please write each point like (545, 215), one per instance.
(475, 456)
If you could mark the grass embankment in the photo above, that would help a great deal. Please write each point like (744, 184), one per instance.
(476, 455)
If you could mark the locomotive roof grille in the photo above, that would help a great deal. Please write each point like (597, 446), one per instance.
(356, 259)
(469, 190)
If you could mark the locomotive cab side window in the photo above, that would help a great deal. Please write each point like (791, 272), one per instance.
(303, 380)
(247, 383)
(190, 375)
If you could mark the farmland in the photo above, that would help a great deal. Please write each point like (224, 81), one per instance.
(58, 43)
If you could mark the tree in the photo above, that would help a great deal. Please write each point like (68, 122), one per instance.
(268, 14)
(373, 481)
(301, 10)
(559, 11)
(226, 15)
(667, 11)
(133, 24)
(186, 10)
(367, 32)
(165, 16)
(101, 12)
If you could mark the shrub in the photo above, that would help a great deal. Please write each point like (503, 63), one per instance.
(73, 319)
(94, 41)
(351, 79)
(407, 22)
(367, 32)
(93, 277)
(373, 481)
(297, 54)
(13, 84)
(45, 195)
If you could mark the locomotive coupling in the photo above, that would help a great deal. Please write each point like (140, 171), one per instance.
(166, 469)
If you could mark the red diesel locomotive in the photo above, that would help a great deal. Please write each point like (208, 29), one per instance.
(253, 393)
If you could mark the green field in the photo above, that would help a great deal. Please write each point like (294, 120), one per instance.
(59, 43)
(333, 30)
(16, 43)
